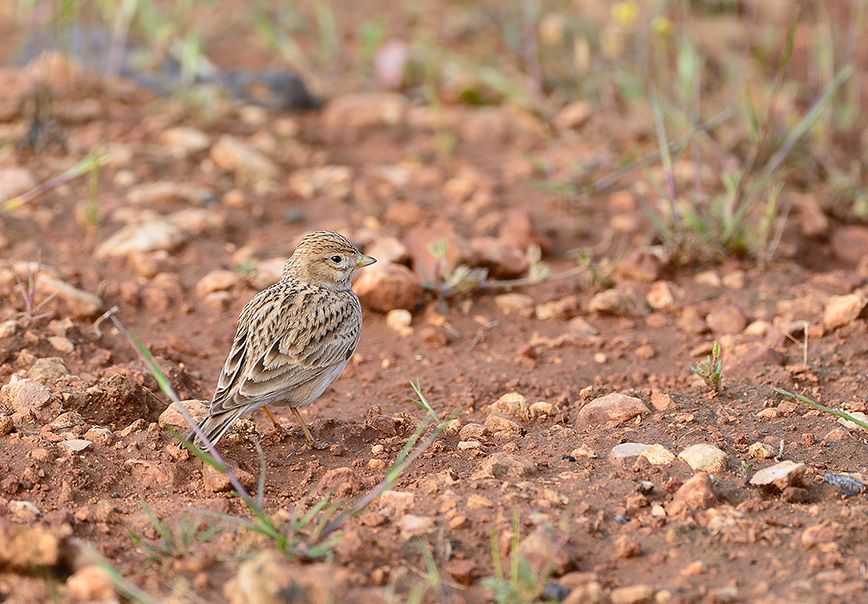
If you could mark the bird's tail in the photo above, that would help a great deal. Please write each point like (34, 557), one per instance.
(215, 426)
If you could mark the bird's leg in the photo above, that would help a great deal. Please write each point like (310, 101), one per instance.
(315, 444)
(278, 429)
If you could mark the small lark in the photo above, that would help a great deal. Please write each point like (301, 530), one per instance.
(293, 338)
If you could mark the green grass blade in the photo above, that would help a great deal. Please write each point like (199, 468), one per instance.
(823, 408)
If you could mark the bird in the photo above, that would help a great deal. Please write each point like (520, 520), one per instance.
(293, 338)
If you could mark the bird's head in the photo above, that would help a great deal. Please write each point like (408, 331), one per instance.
(326, 259)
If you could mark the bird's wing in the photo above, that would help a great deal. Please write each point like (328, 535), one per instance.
(287, 340)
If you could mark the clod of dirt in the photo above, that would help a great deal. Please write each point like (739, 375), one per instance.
(619, 303)
(172, 417)
(704, 457)
(218, 482)
(117, 400)
(843, 310)
(544, 548)
(387, 287)
(91, 584)
(520, 304)
(759, 450)
(850, 243)
(503, 259)
(23, 395)
(694, 495)
(512, 404)
(563, 309)
(365, 110)
(726, 319)
(412, 526)
(643, 264)
(504, 466)
(780, 476)
(269, 577)
(613, 407)
(662, 296)
(27, 548)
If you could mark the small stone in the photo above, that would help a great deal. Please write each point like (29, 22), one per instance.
(28, 548)
(618, 303)
(759, 450)
(478, 502)
(90, 583)
(215, 481)
(543, 409)
(504, 465)
(843, 310)
(626, 453)
(25, 511)
(389, 250)
(471, 431)
(661, 296)
(141, 238)
(780, 476)
(248, 164)
(543, 550)
(519, 304)
(633, 594)
(388, 287)
(60, 344)
(400, 320)
(217, 281)
(643, 264)
(495, 423)
(614, 407)
(164, 193)
(512, 404)
(726, 319)
(6, 425)
(851, 425)
(704, 457)
(8, 328)
(100, 435)
(185, 139)
(579, 326)
(573, 116)
(412, 526)
(172, 417)
(48, 370)
(658, 455)
(694, 495)
(697, 567)
(365, 110)
(76, 445)
(24, 394)
(269, 577)
(331, 182)
(591, 592)
(563, 309)
(469, 445)
(662, 401)
(503, 259)
(461, 571)
(399, 501)
(627, 547)
(81, 304)
(850, 243)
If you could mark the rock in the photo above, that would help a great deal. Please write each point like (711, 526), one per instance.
(267, 272)
(573, 116)
(421, 238)
(643, 264)
(496, 423)
(217, 281)
(60, 344)
(760, 450)
(398, 501)
(270, 579)
(116, 400)
(14, 182)
(215, 481)
(563, 309)
(24, 394)
(162, 193)
(633, 594)
(661, 296)
(28, 548)
(662, 401)
(512, 404)
(172, 418)
(79, 302)
(504, 466)
(248, 164)
(503, 259)
(471, 431)
(75, 445)
(389, 250)
(332, 182)
(658, 455)
(7, 424)
(578, 326)
(613, 407)
(184, 140)
(400, 321)
(843, 310)
(780, 476)
(619, 303)
(387, 287)
(704, 457)
(850, 243)
(48, 370)
(694, 495)
(412, 525)
(519, 304)
(90, 583)
(852, 425)
(822, 533)
(461, 571)
(25, 511)
(142, 238)
(195, 221)
(589, 593)
(544, 550)
(365, 110)
(518, 228)
(625, 453)
(727, 319)
(543, 409)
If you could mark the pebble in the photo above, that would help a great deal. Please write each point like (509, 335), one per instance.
(469, 445)
(727, 319)
(504, 466)
(503, 259)
(643, 264)
(543, 550)
(81, 304)
(388, 287)
(25, 511)
(658, 455)
(365, 110)
(759, 450)
(512, 404)
(389, 250)
(850, 243)
(615, 407)
(519, 304)
(76, 445)
(332, 182)
(269, 577)
(618, 303)
(399, 501)
(185, 139)
(843, 310)
(662, 401)
(162, 193)
(780, 476)
(60, 344)
(849, 485)
(573, 116)
(626, 452)
(28, 548)
(412, 525)
(661, 296)
(217, 281)
(142, 238)
(632, 594)
(563, 309)
(694, 495)
(23, 394)
(400, 320)
(471, 431)
(90, 583)
(497, 423)
(704, 457)
(172, 418)
(248, 164)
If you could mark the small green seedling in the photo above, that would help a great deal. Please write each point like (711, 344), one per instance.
(711, 369)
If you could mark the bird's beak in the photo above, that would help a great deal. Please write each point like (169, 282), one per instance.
(365, 261)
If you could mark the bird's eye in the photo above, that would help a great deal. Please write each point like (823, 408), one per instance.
(335, 259)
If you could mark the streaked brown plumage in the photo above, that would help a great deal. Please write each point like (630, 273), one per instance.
(294, 338)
